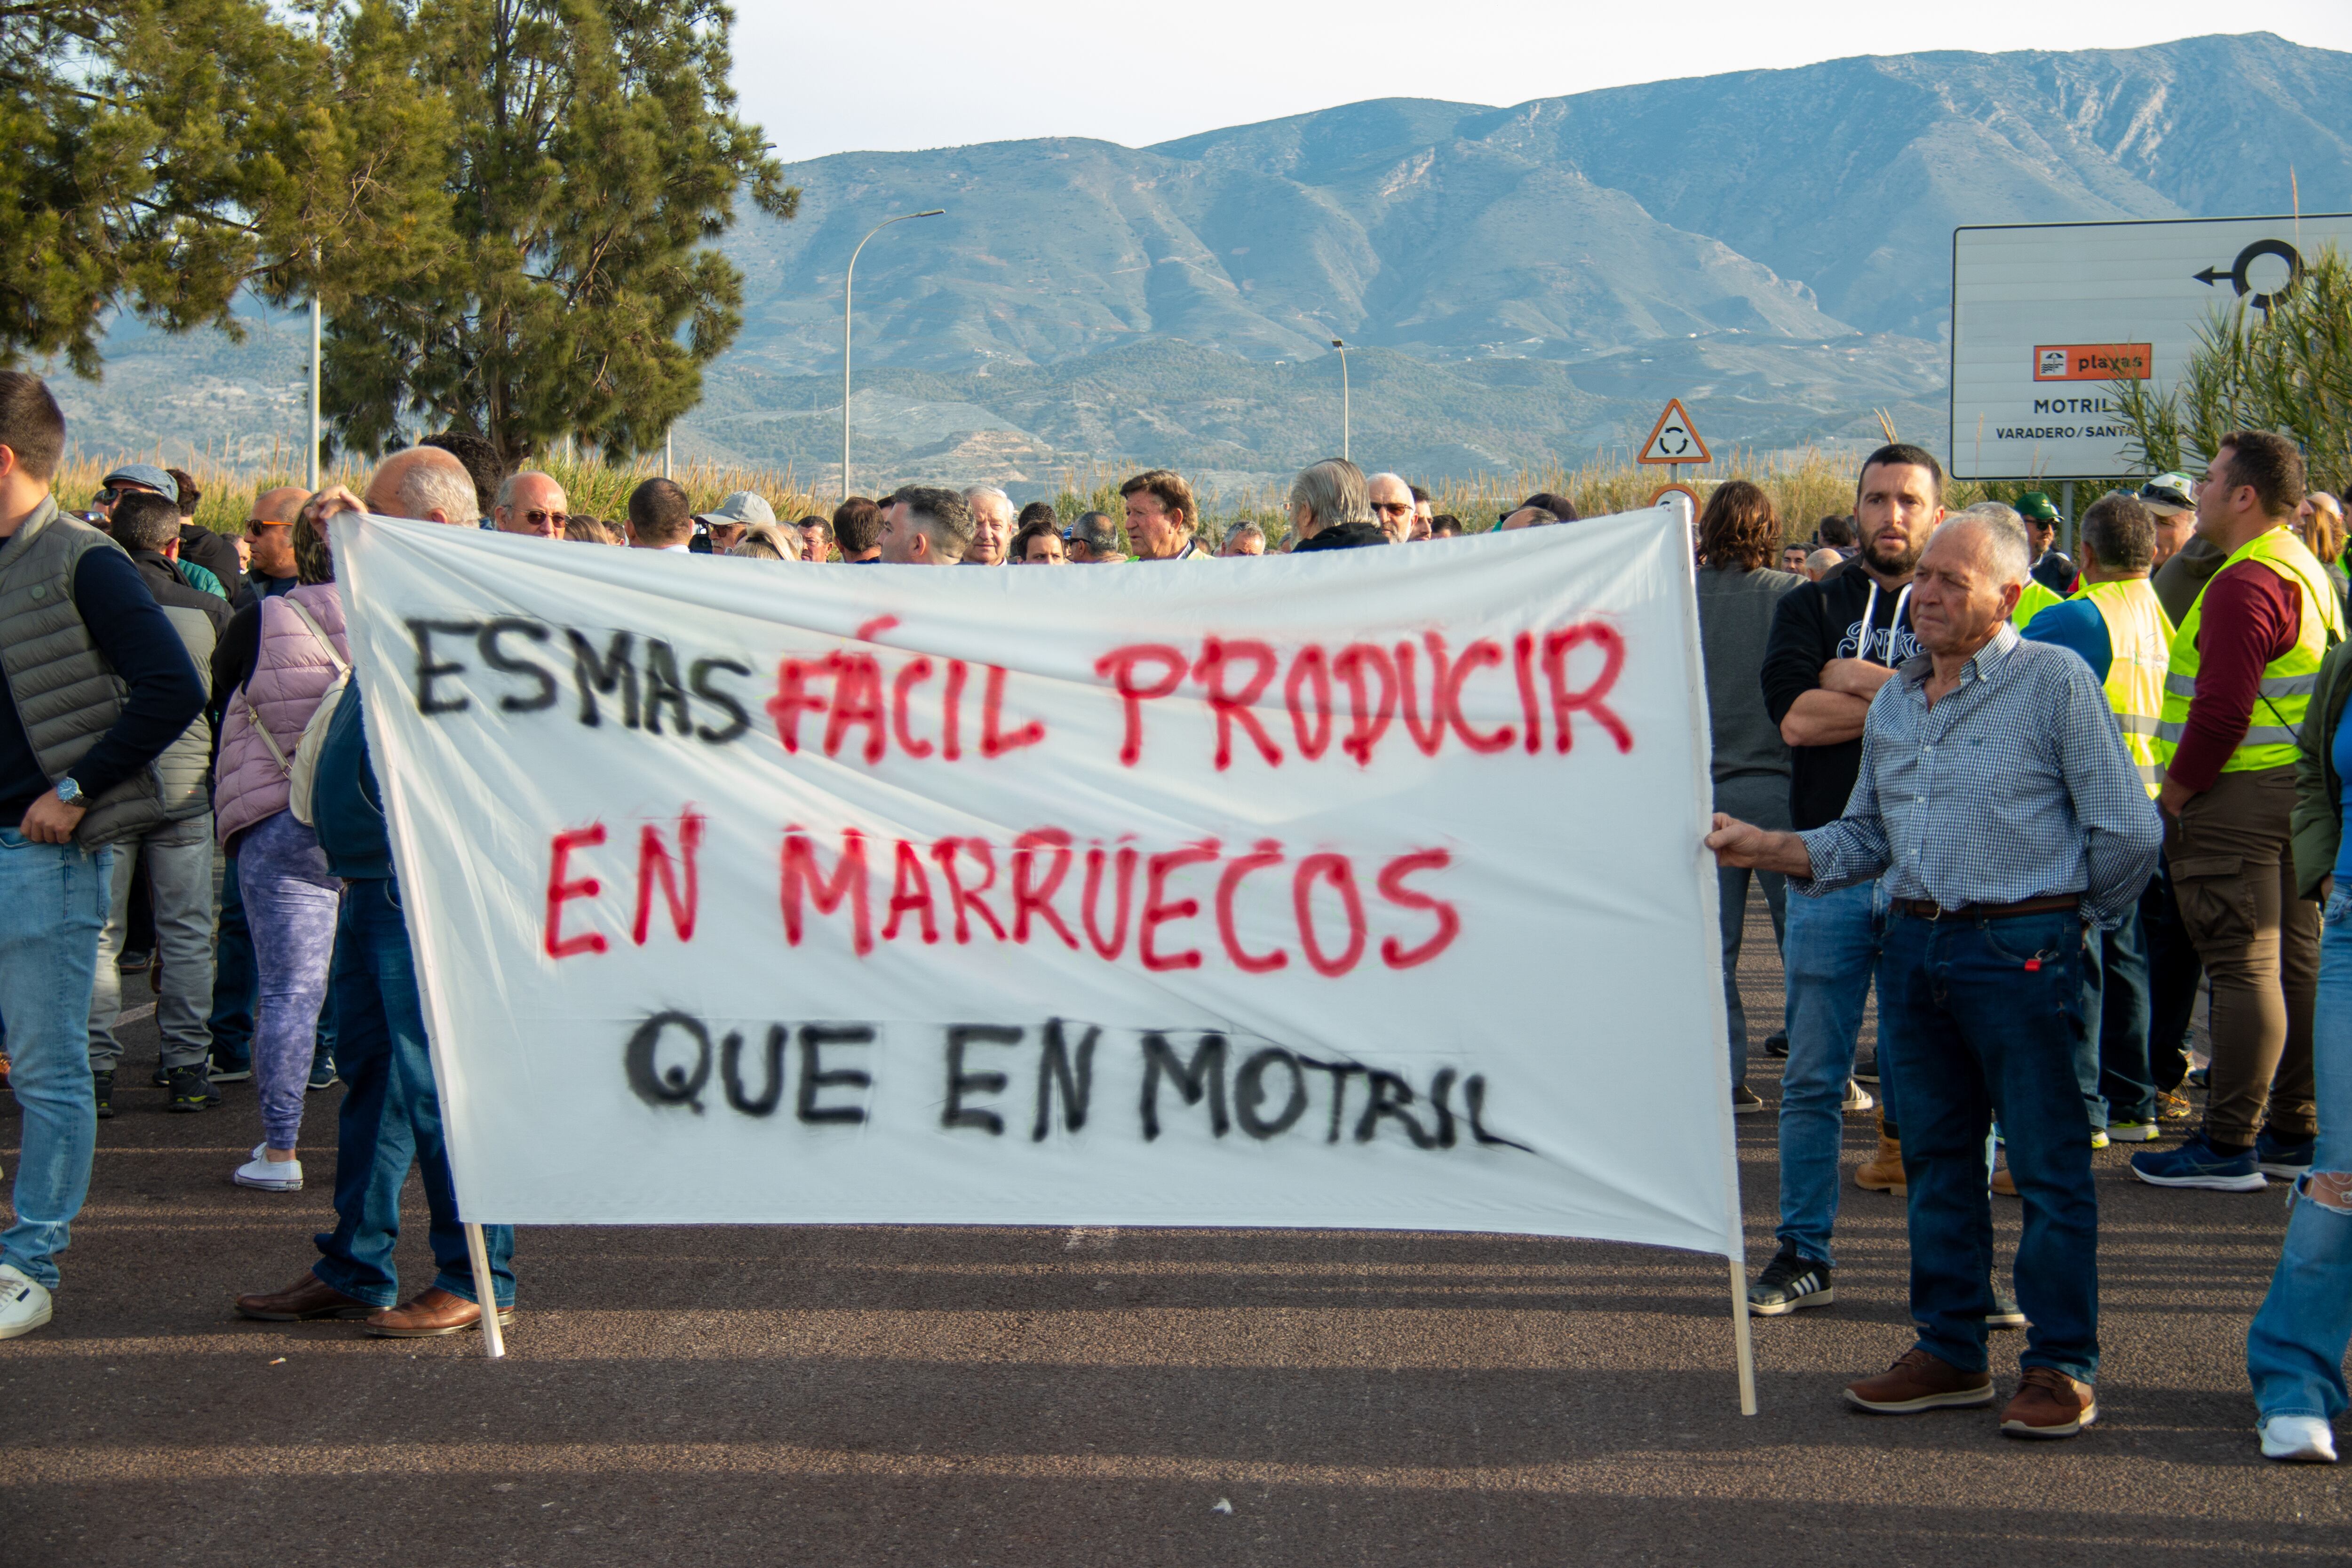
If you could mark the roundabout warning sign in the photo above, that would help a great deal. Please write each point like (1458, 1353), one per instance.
(1673, 438)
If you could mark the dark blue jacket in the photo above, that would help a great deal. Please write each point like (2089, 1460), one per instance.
(346, 808)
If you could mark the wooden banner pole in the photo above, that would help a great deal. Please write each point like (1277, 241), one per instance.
(1745, 1343)
(494, 1340)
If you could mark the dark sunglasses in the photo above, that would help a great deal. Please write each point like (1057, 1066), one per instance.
(537, 517)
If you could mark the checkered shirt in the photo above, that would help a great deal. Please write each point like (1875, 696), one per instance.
(2015, 786)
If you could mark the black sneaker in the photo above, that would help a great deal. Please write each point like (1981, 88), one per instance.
(161, 1077)
(1866, 1069)
(220, 1071)
(131, 962)
(101, 1084)
(1745, 1102)
(1789, 1282)
(188, 1091)
(2006, 1313)
(1776, 1044)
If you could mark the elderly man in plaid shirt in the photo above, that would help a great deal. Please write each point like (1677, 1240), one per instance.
(1996, 796)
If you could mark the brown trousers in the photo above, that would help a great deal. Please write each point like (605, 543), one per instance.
(2234, 865)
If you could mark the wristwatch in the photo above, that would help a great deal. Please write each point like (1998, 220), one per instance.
(69, 790)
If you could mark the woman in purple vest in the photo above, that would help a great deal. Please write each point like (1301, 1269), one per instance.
(276, 660)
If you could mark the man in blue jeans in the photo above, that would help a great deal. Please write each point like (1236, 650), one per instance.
(99, 684)
(391, 1117)
(1833, 644)
(1997, 799)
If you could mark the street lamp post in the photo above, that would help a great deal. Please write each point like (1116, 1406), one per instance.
(316, 483)
(1344, 420)
(848, 279)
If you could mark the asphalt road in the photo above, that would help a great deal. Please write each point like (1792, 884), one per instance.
(1031, 1397)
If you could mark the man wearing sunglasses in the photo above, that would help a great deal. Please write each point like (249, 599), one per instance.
(131, 478)
(269, 542)
(1391, 503)
(533, 503)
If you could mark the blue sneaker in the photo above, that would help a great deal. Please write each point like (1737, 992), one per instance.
(2279, 1157)
(2197, 1164)
(323, 1074)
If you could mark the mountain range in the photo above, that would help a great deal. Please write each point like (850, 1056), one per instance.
(1525, 284)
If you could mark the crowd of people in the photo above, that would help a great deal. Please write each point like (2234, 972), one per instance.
(2032, 800)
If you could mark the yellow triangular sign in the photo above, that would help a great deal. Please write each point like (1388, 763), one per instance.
(1673, 439)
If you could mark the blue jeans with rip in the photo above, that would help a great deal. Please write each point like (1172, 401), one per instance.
(53, 905)
(391, 1117)
(1985, 1019)
(2295, 1352)
(1829, 952)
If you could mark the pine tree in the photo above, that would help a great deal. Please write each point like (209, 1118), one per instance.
(125, 175)
(164, 155)
(592, 153)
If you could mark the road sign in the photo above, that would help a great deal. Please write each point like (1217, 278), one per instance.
(1673, 439)
(2037, 306)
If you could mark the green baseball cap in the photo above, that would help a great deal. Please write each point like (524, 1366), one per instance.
(2167, 495)
(2035, 507)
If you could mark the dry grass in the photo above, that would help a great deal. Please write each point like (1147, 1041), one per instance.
(1804, 488)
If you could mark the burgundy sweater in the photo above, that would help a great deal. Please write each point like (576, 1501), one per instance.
(2252, 615)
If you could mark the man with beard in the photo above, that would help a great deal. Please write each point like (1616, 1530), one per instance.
(1833, 644)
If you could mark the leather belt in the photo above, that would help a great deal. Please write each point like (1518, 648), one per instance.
(1928, 909)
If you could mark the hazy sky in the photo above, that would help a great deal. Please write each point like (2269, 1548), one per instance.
(894, 74)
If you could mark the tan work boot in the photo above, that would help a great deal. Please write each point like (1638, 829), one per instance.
(1883, 1174)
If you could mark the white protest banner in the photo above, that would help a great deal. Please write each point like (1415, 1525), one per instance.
(1358, 888)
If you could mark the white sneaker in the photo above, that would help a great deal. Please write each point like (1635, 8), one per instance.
(2295, 1439)
(1857, 1098)
(269, 1175)
(25, 1306)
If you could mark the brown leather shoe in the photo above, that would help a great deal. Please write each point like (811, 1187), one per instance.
(307, 1299)
(1883, 1174)
(2049, 1404)
(435, 1312)
(1919, 1381)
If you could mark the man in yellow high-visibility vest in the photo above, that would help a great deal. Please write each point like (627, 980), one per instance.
(2118, 627)
(2243, 666)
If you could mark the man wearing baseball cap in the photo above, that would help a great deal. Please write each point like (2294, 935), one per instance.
(736, 513)
(2185, 561)
(127, 479)
(2051, 568)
